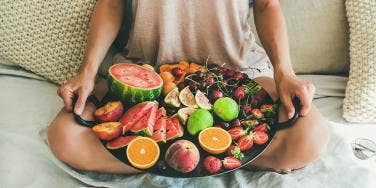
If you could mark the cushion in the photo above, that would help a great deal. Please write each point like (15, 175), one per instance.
(360, 100)
(318, 35)
(45, 37)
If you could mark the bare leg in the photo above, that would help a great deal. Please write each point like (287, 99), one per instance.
(78, 146)
(297, 146)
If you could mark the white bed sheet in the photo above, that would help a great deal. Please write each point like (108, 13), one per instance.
(28, 105)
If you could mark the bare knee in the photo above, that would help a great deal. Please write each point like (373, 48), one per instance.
(303, 143)
(66, 149)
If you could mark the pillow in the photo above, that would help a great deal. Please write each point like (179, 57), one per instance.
(360, 100)
(45, 37)
(318, 35)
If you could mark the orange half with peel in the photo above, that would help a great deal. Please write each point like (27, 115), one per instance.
(214, 140)
(143, 152)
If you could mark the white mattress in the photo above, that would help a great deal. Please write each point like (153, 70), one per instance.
(27, 105)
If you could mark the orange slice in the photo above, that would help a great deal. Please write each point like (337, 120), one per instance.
(214, 140)
(143, 152)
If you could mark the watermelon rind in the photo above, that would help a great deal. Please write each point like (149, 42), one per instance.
(120, 142)
(132, 94)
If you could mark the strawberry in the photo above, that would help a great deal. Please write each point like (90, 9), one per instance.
(263, 127)
(247, 108)
(266, 108)
(212, 164)
(237, 132)
(259, 137)
(234, 151)
(245, 142)
(230, 163)
(239, 93)
(257, 113)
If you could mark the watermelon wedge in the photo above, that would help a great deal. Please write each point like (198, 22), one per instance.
(174, 129)
(120, 142)
(161, 113)
(135, 113)
(159, 134)
(133, 83)
(145, 125)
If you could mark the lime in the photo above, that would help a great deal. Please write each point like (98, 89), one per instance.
(226, 108)
(199, 120)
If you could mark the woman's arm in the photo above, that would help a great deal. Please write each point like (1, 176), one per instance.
(104, 26)
(271, 29)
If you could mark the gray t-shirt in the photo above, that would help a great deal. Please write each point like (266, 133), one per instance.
(167, 31)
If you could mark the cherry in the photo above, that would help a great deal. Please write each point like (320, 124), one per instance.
(230, 73)
(239, 93)
(202, 86)
(238, 76)
(223, 70)
(177, 72)
(216, 94)
(236, 123)
(192, 86)
(210, 81)
(247, 108)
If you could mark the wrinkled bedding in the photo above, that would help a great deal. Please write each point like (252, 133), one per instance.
(28, 104)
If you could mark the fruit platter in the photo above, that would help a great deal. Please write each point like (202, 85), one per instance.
(184, 119)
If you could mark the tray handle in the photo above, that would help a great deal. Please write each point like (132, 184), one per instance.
(284, 125)
(79, 119)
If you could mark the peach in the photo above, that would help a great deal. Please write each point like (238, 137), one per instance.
(112, 111)
(183, 156)
(108, 131)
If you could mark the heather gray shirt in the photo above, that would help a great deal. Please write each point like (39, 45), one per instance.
(166, 31)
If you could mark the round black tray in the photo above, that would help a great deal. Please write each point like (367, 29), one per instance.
(162, 169)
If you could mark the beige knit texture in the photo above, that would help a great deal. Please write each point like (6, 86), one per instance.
(360, 101)
(45, 37)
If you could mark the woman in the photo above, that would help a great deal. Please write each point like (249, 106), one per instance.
(171, 30)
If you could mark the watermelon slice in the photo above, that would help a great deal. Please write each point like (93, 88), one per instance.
(161, 113)
(133, 83)
(159, 134)
(174, 129)
(145, 125)
(135, 113)
(120, 142)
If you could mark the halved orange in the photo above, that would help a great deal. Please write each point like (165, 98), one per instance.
(143, 152)
(214, 140)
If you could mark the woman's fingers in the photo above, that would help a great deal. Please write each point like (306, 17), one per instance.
(67, 96)
(287, 103)
(81, 101)
(305, 94)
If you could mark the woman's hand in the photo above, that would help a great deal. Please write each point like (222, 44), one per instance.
(289, 86)
(80, 85)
